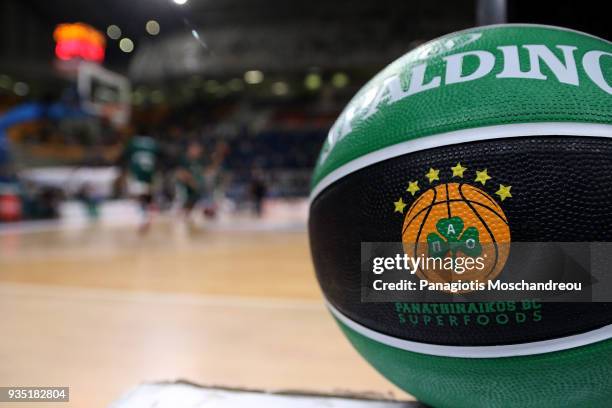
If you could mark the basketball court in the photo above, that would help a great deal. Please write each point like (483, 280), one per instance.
(235, 306)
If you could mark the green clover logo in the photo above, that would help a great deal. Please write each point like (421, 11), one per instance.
(455, 239)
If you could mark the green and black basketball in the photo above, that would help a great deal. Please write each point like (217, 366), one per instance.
(490, 135)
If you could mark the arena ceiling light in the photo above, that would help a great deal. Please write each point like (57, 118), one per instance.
(152, 27)
(253, 77)
(280, 88)
(312, 81)
(6, 82)
(113, 32)
(126, 45)
(180, 2)
(21, 88)
(340, 80)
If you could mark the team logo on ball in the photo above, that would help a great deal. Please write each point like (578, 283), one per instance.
(456, 224)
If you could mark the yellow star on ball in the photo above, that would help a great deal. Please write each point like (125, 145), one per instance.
(458, 170)
(413, 187)
(482, 176)
(503, 192)
(399, 206)
(432, 175)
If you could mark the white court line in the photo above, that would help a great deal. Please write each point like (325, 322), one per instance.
(257, 226)
(120, 295)
(36, 227)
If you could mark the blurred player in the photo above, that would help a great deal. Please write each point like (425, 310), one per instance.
(196, 177)
(139, 162)
(257, 191)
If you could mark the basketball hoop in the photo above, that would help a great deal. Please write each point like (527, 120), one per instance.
(104, 93)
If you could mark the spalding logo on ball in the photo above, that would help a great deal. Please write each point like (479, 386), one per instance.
(477, 139)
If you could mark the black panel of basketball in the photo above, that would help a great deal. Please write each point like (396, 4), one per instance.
(561, 191)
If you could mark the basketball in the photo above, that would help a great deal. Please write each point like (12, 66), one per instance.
(470, 142)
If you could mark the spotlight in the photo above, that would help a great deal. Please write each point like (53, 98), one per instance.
(253, 77)
(152, 27)
(280, 88)
(113, 32)
(126, 45)
(312, 81)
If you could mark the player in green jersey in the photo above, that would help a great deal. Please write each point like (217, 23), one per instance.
(196, 174)
(139, 163)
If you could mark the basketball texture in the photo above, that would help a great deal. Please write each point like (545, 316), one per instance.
(480, 138)
(471, 206)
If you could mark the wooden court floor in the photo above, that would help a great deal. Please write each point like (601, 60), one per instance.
(102, 309)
